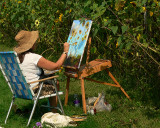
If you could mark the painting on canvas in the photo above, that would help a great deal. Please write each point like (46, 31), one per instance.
(77, 39)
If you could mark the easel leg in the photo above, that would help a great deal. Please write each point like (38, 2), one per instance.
(83, 95)
(115, 81)
(67, 91)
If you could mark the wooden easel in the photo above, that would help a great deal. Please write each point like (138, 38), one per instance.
(86, 70)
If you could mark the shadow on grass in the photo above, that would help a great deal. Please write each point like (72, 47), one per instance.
(152, 113)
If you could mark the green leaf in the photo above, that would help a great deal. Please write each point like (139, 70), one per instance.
(95, 32)
(124, 28)
(38, 7)
(145, 44)
(121, 46)
(128, 45)
(32, 24)
(13, 16)
(1, 35)
(33, 17)
(48, 11)
(69, 2)
(67, 11)
(143, 2)
(21, 18)
(114, 29)
(88, 3)
(103, 4)
(95, 6)
(93, 49)
(119, 40)
(17, 25)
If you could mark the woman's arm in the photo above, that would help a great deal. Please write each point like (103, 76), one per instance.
(49, 65)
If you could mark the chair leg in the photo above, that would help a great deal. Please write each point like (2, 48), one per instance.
(13, 99)
(35, 103)
(33, 109)
(58, 97)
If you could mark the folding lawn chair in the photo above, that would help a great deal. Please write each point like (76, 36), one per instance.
(9, 65)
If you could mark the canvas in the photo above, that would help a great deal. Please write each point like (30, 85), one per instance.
(77, 39)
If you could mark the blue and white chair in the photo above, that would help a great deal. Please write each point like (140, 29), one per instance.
(9, 65)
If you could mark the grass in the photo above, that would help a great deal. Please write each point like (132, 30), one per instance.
(125, 113)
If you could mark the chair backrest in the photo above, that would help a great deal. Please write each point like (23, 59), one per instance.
(9, 64)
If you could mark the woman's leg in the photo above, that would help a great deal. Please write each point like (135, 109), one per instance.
(53, 100)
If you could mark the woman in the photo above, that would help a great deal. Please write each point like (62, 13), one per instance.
(32, 64)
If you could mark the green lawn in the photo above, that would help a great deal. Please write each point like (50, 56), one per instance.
(125, 113)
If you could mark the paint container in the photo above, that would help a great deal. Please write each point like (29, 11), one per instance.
(92, 111)
(76, 101)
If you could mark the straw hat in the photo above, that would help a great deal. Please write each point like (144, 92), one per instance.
(26, 40)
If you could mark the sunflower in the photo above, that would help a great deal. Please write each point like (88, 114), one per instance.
(87, 25)
(73, 31)
(75, 43)
(85, 37)
(37, 23)
(70, 10)
(60, 17)
(133, 3)
(117, 45)
(56, 20)
(19, 2)
(80, 31)
(138, 37)
(33, 11)
(151, 13)
(144, 9)
(83, 23)
(57, 11)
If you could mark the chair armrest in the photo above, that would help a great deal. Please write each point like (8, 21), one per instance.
(43, 79)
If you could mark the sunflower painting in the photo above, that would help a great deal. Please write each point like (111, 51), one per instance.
(77, 38)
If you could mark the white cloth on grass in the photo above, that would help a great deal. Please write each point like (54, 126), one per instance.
(56, 120)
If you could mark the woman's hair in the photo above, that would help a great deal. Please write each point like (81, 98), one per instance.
(22, 55)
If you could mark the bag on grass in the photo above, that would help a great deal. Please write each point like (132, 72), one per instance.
(102, 104)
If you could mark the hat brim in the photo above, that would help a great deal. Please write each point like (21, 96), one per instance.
(29, 44)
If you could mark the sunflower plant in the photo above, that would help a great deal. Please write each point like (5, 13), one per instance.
(120, 28)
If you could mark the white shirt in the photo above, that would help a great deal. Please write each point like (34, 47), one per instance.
(30, 69)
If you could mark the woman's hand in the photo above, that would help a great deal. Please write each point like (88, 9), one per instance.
(66, 47)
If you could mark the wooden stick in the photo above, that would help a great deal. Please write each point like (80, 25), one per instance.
(70, 67)
(75, 119)
(83, 95)
(102, 82)
(97, 100)
(115, 81)
(88, 51)
(43, 79)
